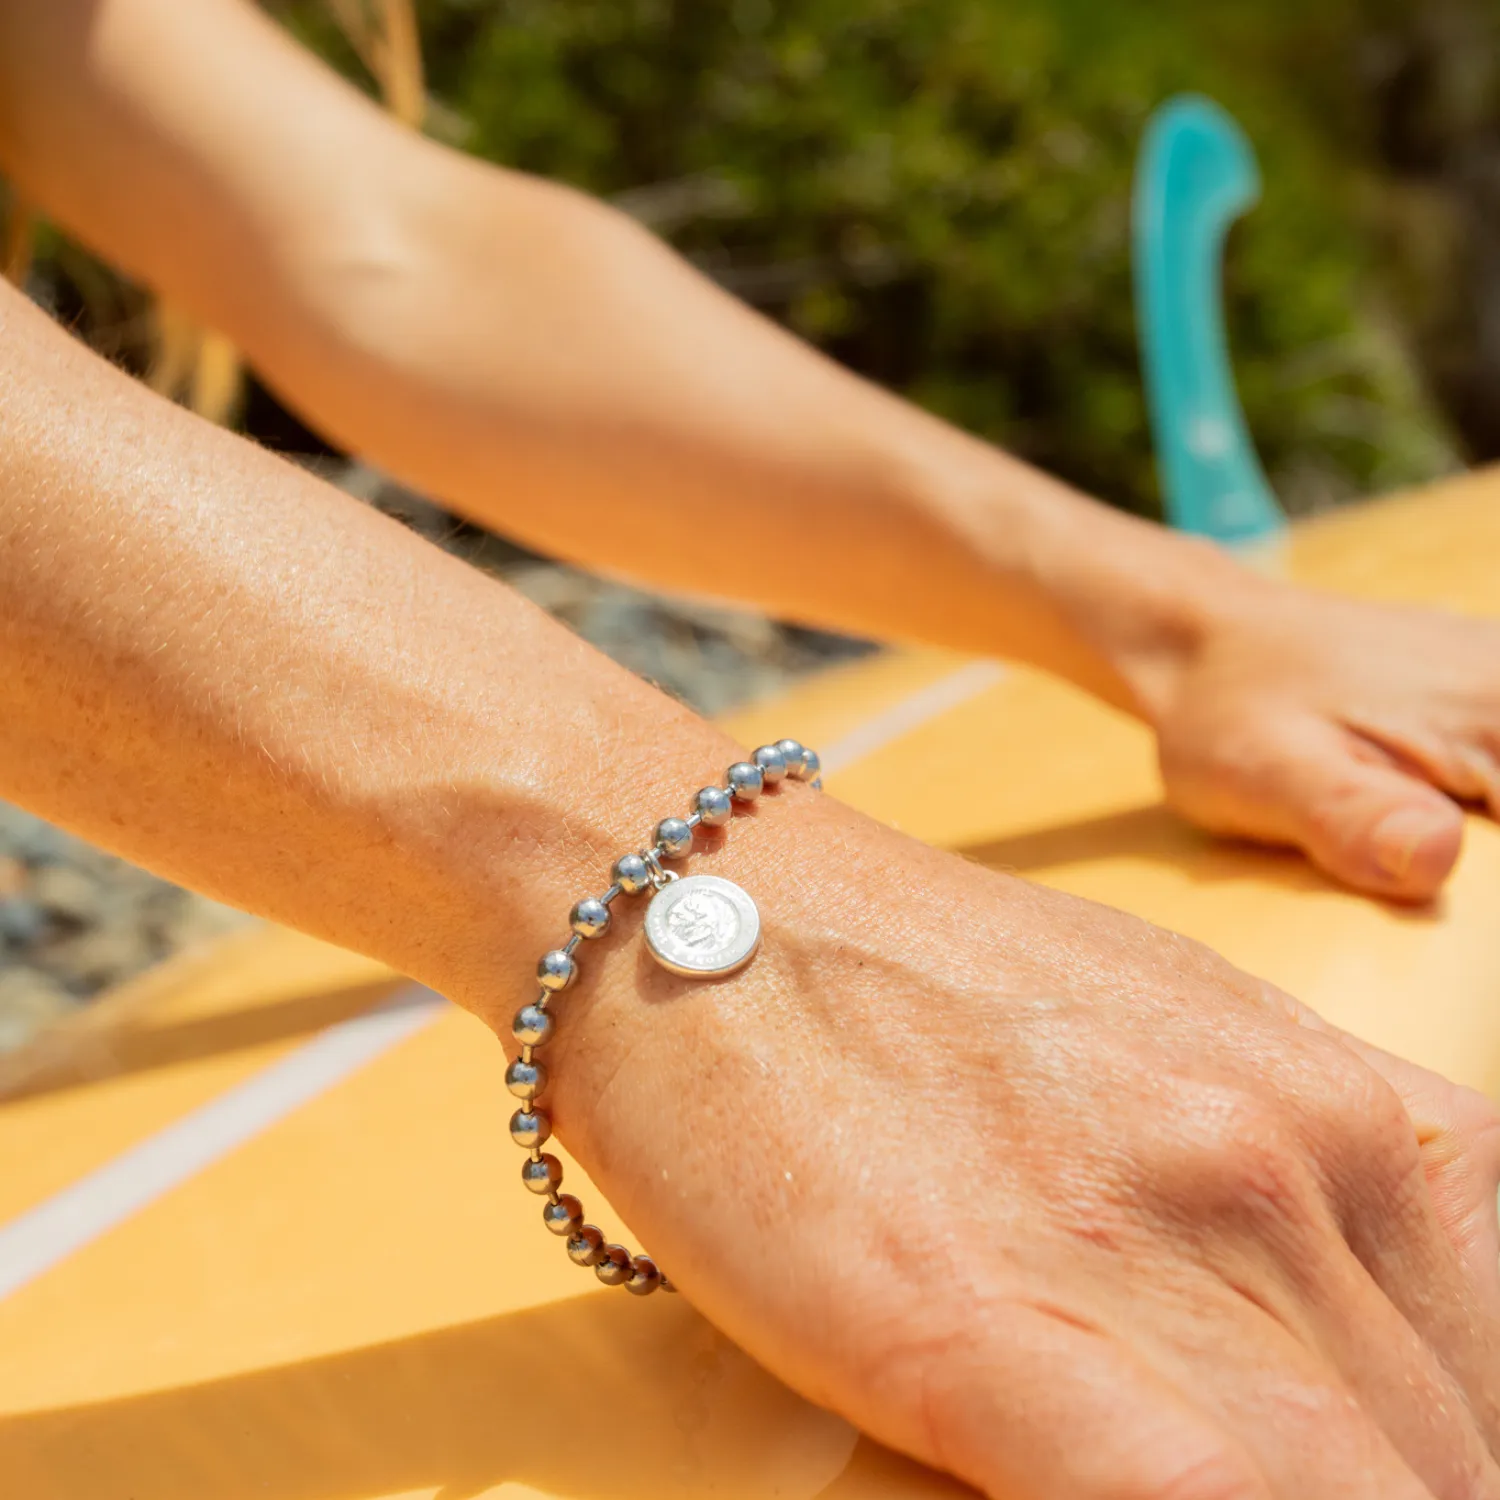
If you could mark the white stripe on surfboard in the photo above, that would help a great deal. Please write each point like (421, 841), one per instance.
(38, 1239)
(70, 1219)
(912, 712)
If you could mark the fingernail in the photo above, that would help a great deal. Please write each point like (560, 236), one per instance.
(1400, 834)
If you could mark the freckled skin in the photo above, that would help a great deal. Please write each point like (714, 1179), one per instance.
(1049, 1198)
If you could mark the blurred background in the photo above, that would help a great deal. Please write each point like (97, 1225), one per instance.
(938, 193)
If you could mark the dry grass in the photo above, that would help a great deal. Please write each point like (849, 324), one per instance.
(15, 252)
(195, 365)
(384, 34)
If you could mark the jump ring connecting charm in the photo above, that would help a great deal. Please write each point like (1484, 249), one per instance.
(702, 926)
(655, 873)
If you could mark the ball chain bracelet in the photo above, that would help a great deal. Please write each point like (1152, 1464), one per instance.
(701, 925)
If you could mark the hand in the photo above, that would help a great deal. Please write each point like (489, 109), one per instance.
(1043, 1195)
(1349, 730)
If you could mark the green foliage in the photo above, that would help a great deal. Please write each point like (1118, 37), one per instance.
(937, 192)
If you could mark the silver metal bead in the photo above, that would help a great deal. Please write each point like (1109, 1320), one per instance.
(772, 763)
(542, 1176)
(812, 763)
(530, 1128)
(589, 917)
(632, 874)
(532, 1026)
(644, 1277)
(675, 836)
(713, 806)
(585, 1246)
(614, 1266)
(556, 970)
(746, 779)
(795, 757)
(565, 1216)
(525, 1079)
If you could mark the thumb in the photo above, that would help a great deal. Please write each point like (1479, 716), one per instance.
(1343, 801)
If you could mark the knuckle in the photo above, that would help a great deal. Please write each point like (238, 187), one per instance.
(1233, 1156)
(1361, 1119)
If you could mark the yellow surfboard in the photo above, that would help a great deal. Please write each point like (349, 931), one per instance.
(259, 1235)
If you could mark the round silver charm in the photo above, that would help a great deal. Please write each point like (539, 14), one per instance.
(702, 925)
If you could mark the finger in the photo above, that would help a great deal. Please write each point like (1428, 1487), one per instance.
(1394, 1141)
(1332, 1304)
(1449, 765)
(1433, 1416)
(1485, 772)
(1278, 1400)
(1036, 1408)
(1470, 772)
(1309, 1434)
(1356, 815)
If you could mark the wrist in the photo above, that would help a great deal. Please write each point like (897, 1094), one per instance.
(1140, 601)
(626, 1012)
(1040, 573)
(701, 1105)
(486, 836)
(623, 1040)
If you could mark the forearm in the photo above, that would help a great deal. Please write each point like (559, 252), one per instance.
(547, 367)
(555, 372)
(224, 669)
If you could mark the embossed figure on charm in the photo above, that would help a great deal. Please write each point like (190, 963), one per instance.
(703, 918)
(702, 925)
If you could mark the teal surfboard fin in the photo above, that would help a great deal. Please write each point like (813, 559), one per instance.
(1196, 173)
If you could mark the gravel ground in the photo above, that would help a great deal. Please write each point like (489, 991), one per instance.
(75, 921)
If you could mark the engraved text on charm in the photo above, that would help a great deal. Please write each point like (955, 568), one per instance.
(703, 925)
